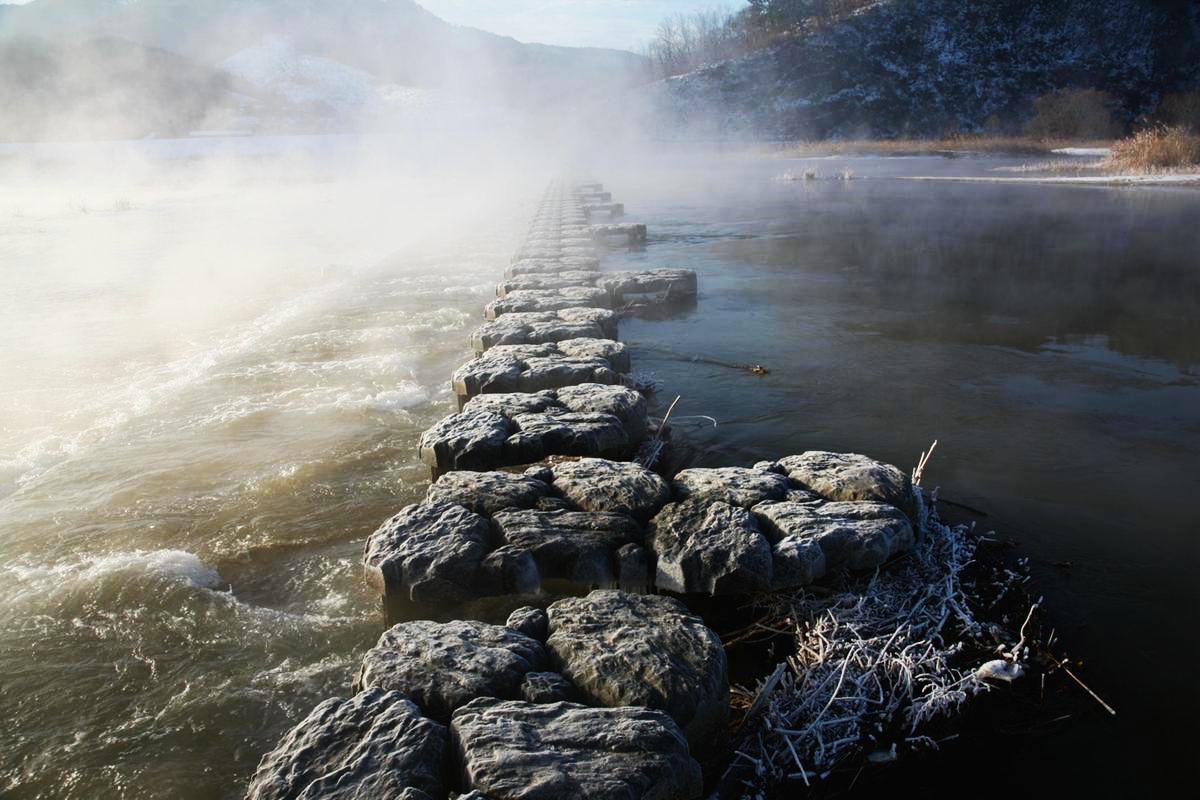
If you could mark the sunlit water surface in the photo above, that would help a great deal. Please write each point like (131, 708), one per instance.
(212, 392)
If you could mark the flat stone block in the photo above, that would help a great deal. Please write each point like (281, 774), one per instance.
(442, 666)
(855, 535)
(621, 649)
(709, 548)
(547, 300)
(540, 327)
(572, 546)
(849, 476)
(533, 751)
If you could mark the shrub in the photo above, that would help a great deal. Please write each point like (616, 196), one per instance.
(1160, 147)
(1074, 114)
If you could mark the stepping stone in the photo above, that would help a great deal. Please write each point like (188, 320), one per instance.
(849, 476)
(441, 666)
(737, 486)
(547, 300)
(428, 553)
(513, 749)
(649, 286)
(594, 484)
(709, 548)
(620, 649)
(855, 535)
(572, 546)
(375, 744)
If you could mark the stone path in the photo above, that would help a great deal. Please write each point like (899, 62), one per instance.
(597, 685)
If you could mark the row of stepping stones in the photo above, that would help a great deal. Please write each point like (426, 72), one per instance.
(613, 694)
(553, 329)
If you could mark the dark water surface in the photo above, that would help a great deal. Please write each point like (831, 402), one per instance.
(194, 443)
(1048, 337)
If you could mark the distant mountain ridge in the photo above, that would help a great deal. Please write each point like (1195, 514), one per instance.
(398, 41)
(370, 51)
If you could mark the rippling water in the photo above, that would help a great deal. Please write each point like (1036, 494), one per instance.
(214, 380)
(213, 390)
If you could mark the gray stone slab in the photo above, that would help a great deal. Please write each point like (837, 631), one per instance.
(855, 535)
(572, 546)
(595, 484)
(622, 649)
(486, 493)
(849, 476)
(656, 285)
(625, 404)
(547, 300)
(513, 749)
(539, 327)
(737, 486)
(473, 441)
(375, 744)
(441, 666)
(428, 553)
(532, 368)
(709, 548)
(547, 280)
(566, 434)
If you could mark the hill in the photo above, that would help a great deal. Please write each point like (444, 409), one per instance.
(900, 68)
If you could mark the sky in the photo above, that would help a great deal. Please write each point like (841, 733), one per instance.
(620, 24)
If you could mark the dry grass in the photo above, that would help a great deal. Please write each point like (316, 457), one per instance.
(956, 145)
(1156, 149)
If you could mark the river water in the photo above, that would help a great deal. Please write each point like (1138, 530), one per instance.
(215, 373)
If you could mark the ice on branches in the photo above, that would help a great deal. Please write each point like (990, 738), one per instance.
(872, 666)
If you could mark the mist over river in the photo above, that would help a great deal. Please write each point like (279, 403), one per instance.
(214, 371)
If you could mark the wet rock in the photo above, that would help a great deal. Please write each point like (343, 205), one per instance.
(539, 327)
(508, 571)
(568, 434)
(441, 666)
(615, 353)
(531, 621)
(428, 553)
(663, 285)
(594, 484)
(709, 548)
(569, 545)
(621, 649)
(634, 233)
(796, 561)
(547, 280)
(510, 404)
(633, 569)
(736, 486)
(857, 536)
(532, 368)
(849, 476)
(472, 441)
(625, 404)
(547, 300)
(375, 744)
(532, 265)
(545, 687)
(530, 751)
(486, 493)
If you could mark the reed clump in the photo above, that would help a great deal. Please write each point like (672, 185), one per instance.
(1156, 149)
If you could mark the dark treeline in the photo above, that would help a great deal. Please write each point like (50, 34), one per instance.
(816, 68)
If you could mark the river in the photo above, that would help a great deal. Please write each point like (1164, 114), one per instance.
(215, 371)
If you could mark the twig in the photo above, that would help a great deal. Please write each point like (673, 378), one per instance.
(919, 472)
(1062, 665)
